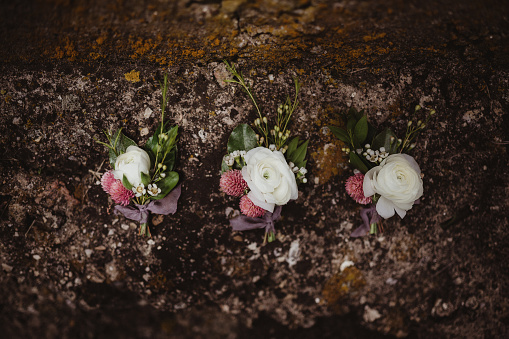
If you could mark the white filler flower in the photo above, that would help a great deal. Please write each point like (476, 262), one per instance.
(132, 163)
(398, 182)
(269, 178)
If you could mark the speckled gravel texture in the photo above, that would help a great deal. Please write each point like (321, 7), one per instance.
(71, 268)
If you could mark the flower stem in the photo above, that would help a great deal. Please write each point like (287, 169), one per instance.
(373, 228)
(145, 230)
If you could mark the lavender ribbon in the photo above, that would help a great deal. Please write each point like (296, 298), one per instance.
(369, 216)
(244, 223)
(166, 205)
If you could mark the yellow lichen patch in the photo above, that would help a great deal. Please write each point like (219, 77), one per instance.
(67, 50)
(373, 37)
(100, 40)
(329, 158)
(328, 161)
(343, 285)
(132, 76)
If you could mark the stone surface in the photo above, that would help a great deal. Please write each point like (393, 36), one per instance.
(71, 69)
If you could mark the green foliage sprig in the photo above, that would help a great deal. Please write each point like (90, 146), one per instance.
(278, 134)
(366, 147)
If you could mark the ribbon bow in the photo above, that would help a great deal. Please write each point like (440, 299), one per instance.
(166, 205)
(244, 223)
(369, 216)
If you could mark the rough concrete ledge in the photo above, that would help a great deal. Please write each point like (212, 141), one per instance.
(71, 268)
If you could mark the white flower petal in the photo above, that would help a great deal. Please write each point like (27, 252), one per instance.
(385, 208)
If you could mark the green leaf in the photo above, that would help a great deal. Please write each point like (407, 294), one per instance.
(383, 139)
(243, 138)
(126, 183)
(292, 146)
(340, 133)
(170, 159)
(145, 179)
(120, 143)
(361, 130)
(350, 125)
(356, 162)
(352, 112)
(299, 154)
(224, 167)
(359, 115)
(167, 184)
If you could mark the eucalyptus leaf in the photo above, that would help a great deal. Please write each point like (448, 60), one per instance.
(243, 138)
(340, 133)
(357, 162)
(361, 130)
(167, 184)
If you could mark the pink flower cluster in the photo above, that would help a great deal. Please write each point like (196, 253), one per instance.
(232, 183)
(115, 189)
(355, 190)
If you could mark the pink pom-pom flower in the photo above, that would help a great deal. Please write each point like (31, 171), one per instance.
(232, 183)
(249, 209)
(354, 189)
(107, 180)
(120, 194)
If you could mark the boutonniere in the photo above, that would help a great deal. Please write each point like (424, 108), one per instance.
(387, 179)
(263, 166)
(142, 180)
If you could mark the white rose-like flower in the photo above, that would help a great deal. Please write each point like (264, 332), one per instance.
(132, 163)
(398, 182)
(269, 178)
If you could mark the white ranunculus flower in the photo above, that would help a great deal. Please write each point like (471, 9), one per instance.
(132, 163)
(269, 178)
(398, 182)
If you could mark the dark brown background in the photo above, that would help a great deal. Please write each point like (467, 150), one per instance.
(72, 269)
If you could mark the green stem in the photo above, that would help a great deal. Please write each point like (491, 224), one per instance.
(145, 230)
(373, 228)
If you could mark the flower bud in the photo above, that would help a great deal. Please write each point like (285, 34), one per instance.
(264, 120)
(418, 107)
(419, 123)
(164, 167)
(368, 146)
(262, 139)
(162, 175)
(258, 137)
(276, 128)
(304, 180)
(280, 134)
(159, 165)
(257, 121)
(432, 112)
(410, 123)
